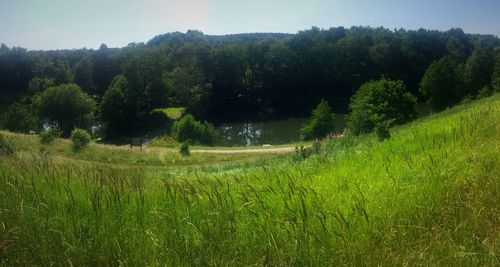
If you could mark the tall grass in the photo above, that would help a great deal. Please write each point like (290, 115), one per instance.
(427, 196)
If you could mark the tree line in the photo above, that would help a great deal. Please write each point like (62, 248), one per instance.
(262, 75)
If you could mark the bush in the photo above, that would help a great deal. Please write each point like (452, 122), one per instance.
(6, 148)
(442, 84)
(320, 124)
(187, 129)
(382, 131)
(380, 104)
(80, 138)
(65, 107)
(184, 150)
(485, 92)
(495, 84)
(20, 119)
(316, 147)
(46, 137)
(303, 152)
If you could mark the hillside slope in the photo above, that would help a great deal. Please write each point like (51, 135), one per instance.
(427, 196)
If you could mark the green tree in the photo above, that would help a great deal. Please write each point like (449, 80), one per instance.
(144, 72)
(67, 107)
(478, 70)
(320, 124)
(441, 84)
(188, 87)
(456, 49)
(58, 70)
(187, 129)
(38, 85)
(83, 74)
(495, 77)
(20, 119)
(117, 112)
(380, 104)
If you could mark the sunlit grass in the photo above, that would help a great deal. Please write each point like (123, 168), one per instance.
(174, 112)
(427, 196)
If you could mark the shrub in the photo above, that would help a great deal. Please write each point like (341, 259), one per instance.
(381, 103)
(495, 84)
(46, 137)
(301, 152)
(316, 147)
(187, 129)
(485, 92)
(20, 119)
(6, 148)
(184, 150)
(320, 124)
(382, 131)
(442, 84)
(80, 138)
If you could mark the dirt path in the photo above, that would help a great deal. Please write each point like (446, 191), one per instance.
(278, 150)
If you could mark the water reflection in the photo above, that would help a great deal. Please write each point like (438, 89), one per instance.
(260, 133)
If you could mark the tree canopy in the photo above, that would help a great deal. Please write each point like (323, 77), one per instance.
(380, 104)
(21, 119)
(320, 124)
(187, 129)
(233, 77)
(442, 84)
(66, 107)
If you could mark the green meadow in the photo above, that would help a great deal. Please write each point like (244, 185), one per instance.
(427, 196)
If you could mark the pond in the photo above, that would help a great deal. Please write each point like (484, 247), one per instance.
(271, 132)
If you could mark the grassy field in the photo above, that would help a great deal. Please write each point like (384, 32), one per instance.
(428, 196)
(125, 156)
(173, 113)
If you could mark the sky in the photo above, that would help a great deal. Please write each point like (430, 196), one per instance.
(68, 24)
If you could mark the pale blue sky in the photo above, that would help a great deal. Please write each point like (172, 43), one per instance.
(57, 24)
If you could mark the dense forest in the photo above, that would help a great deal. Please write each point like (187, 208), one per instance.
(258, 75)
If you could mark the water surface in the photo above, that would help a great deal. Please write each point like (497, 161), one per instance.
(271, 132)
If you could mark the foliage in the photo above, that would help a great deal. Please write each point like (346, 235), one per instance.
(495, 84)
(190, 130)
(38, 85)
(126, 110)
(83, 74)
(20, 119)
(184, 149)
(478, 70)
(320, 124)
(67, 107)
(239, 75)
(80, 138)
(442, 84)
(48, 136)
(6, 148)
(380, 104)
(382, 130)
(302, 152)
(495, 76)
(486, 91)
(188, 86)
(116, 108)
